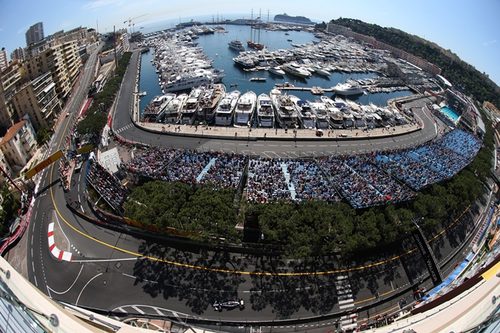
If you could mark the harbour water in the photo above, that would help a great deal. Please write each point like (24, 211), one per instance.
(216, 48)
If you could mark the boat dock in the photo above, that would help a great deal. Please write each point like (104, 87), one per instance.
(312, 90)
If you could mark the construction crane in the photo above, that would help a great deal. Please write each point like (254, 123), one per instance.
(131, 22)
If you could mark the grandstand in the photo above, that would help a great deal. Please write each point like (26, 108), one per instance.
(362, 180)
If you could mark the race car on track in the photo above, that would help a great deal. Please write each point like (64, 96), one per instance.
(229, 305)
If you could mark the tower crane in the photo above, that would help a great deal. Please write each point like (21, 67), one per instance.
(131, 22)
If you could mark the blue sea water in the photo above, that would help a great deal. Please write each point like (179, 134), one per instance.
(216, 48)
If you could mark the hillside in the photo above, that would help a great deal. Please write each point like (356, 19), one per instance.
(464, 76)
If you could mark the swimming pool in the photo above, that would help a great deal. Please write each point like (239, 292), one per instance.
(450, 113)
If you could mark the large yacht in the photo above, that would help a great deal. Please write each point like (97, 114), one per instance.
(208, 102)
(173, 109)
(348, 88)
(244, 61)
(154, 109)
(348, 120)
(287, 115)
(276, 70)
(306, 114)
(295, 69)
(359, 120)
(188, 110)
(265, 112)
(337, 120)
(322, 116)
(236, 45)
(225, 109)
(186, 81)
(245, 108)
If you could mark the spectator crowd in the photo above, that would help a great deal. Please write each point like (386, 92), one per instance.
(363, 180)
(106, 185)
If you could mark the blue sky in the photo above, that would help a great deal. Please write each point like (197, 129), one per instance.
(471, 29)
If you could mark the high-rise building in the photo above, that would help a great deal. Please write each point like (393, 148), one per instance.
(3, 59)
(17, 54)
(34, 34)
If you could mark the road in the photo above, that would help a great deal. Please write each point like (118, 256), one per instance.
(115, 271)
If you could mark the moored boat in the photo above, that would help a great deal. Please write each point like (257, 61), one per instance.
(265, 112)
(224, 111)
(245, 108)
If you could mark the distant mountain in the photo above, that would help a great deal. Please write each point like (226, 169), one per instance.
(292, 19)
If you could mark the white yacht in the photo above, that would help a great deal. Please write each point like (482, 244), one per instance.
(208, 102)
(236, 45)
(186, 81)
(286, 112)
(296, 70)
(347, 89)
(322, 71)
(154, 109)
(359, 120)
(245, 108)
(276, 70)
(173, 109)
(244, 61)
(265, 112)
(188, 110)
(337, 120)
(306, 115)
(348, 120)
(322, 116)
(225, 109)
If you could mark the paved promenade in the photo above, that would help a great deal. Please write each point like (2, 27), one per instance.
(233, 133)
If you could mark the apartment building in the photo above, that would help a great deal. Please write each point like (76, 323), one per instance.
(3, 59)
(62, 61)
(19, 144)
(17, 54)
(10, 78)
(38, 99)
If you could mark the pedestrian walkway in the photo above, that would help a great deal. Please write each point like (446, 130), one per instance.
(289, 184)
(207, 167)
(278, 133)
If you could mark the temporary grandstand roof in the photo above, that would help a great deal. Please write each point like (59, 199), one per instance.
(110, 160)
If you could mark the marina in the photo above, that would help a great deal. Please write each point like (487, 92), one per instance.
(316, 68)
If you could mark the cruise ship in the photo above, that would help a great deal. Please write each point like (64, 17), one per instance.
(188, 110)
(208, 102)
(306, 114)
(154, 109)
(348, 89)
(245, 108)
(322, 116)
(172, 110)
(287, 115)
(296, 70)
(225, 109)
(265, 112)
(236, 45)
